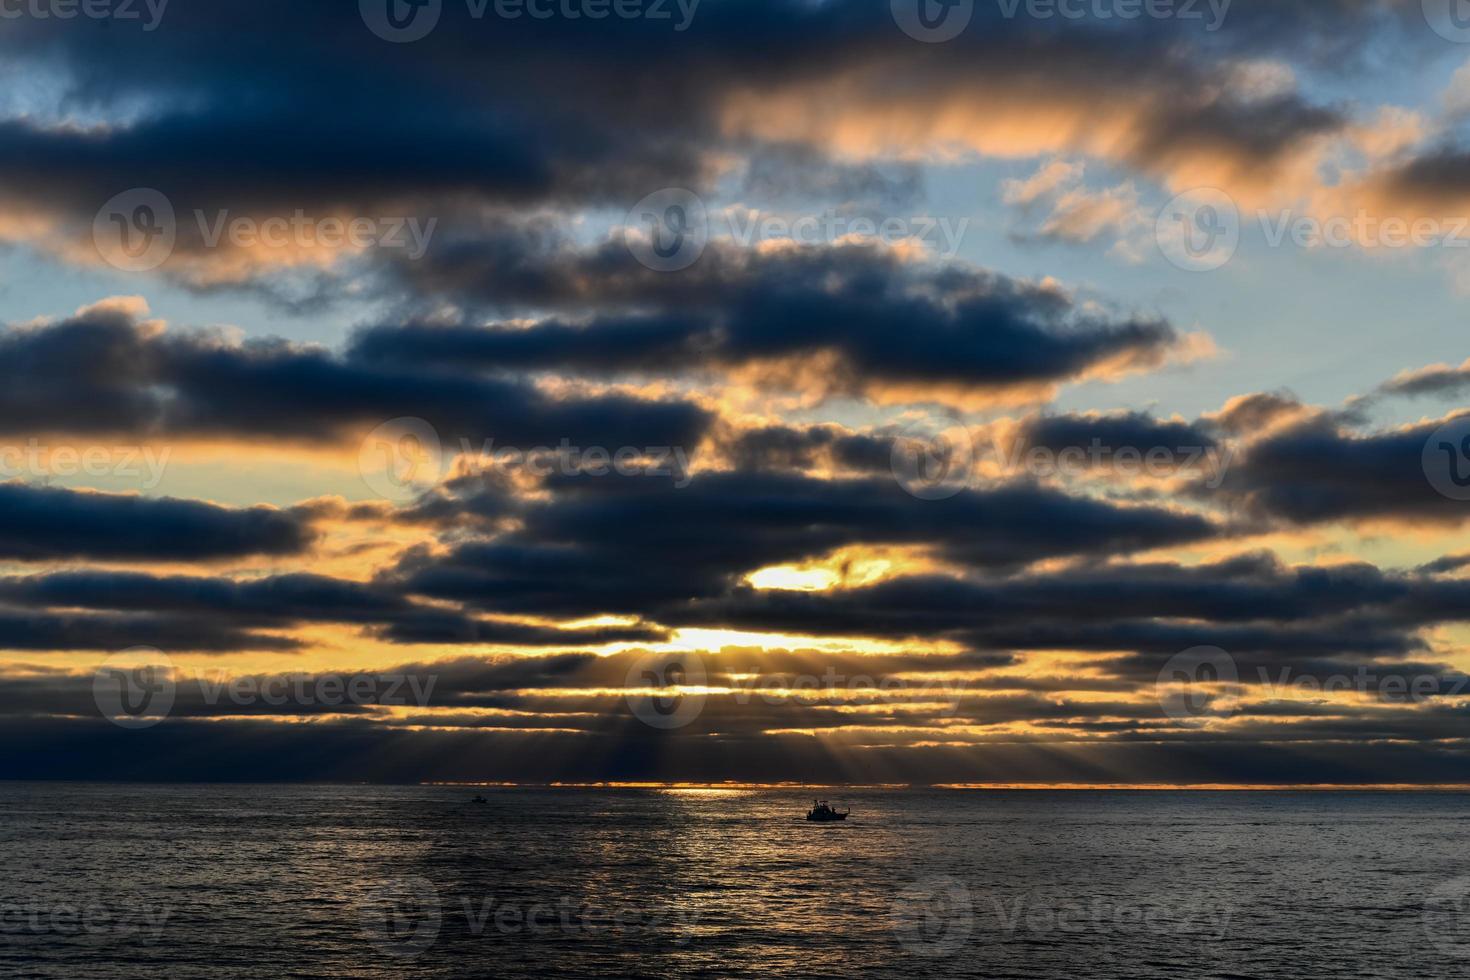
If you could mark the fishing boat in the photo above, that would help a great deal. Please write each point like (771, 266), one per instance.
(822, 812)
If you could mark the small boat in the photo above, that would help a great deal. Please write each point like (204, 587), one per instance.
(479, 799)
(822, 812)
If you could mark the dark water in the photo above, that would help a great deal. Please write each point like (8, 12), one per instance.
(270, 881)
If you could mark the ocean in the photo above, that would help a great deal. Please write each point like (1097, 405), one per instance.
(127, 881)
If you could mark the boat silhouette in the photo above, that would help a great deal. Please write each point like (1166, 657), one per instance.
(822, 812)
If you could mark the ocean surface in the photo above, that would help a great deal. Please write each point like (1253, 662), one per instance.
(117, 881)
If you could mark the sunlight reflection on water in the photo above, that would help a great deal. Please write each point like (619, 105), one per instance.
(122, 881)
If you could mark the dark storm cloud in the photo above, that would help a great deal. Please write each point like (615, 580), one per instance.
(49, 523)
(1248, 588)
(449, 628)
(104, 371)
(1318, 471)
(38, 631)
(1260, 611)
(295, 597)
(1312, 620)
(1164, 639)
(603, 545)
(467, 681)
(1447, 563)
(284, 600)
(268, 106)
(1188, 445)
(883, 695)
(1439, 176)
(958, 326)
(780, 447)
(520, 136)
(794, 173)
(1131, 429)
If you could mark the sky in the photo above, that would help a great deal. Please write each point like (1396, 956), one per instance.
(955, 392)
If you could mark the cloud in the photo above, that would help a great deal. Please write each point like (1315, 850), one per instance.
(570, 555)
(70, 631)
(1317, 471)
(801, 318)
(272, 602)
(1440, 380)
(1077, 214)
(105, 371)
(237, 112)
(48, 523)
